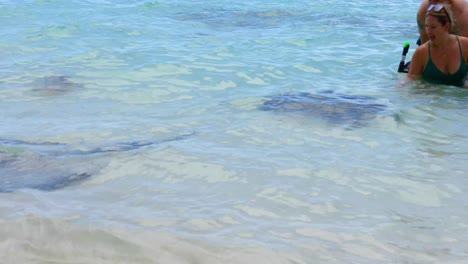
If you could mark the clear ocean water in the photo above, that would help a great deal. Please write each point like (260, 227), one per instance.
(225, 132)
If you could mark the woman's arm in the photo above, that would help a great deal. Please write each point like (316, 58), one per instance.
(418, 62)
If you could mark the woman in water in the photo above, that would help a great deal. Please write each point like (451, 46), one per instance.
(443, 58)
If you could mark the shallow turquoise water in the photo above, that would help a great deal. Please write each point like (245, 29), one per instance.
(132, 132)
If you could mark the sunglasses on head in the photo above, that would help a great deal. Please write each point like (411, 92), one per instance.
(436, 7)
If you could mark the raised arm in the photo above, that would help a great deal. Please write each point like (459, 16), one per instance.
(421, 20)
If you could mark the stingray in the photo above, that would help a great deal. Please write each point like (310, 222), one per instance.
(54, 85)
(50, 166)
(222, 18)
(28, 165)
(20, 169)
(353, 110)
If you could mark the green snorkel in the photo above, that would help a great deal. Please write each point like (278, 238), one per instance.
(401, 67)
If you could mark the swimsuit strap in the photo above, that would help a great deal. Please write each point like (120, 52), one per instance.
(458, 40)
(462, 58)
(429, 48)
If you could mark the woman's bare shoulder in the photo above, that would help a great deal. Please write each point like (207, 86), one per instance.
(422, 48)
(463, 41)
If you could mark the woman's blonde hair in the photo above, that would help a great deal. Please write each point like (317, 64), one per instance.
(444, 16)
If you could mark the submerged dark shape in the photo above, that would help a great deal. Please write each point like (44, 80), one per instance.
(54, 85)
(21, 169)
(231, 18)
(354, 110)
(49, 166)
(222, 18)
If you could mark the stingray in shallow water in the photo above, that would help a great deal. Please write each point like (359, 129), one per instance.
(354, 110)
(228, 18)
(49, 166)
(27, 169)
(54, 85)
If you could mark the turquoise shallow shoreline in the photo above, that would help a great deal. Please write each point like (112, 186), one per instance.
(224, 132)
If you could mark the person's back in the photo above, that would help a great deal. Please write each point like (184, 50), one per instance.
(460, 14)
